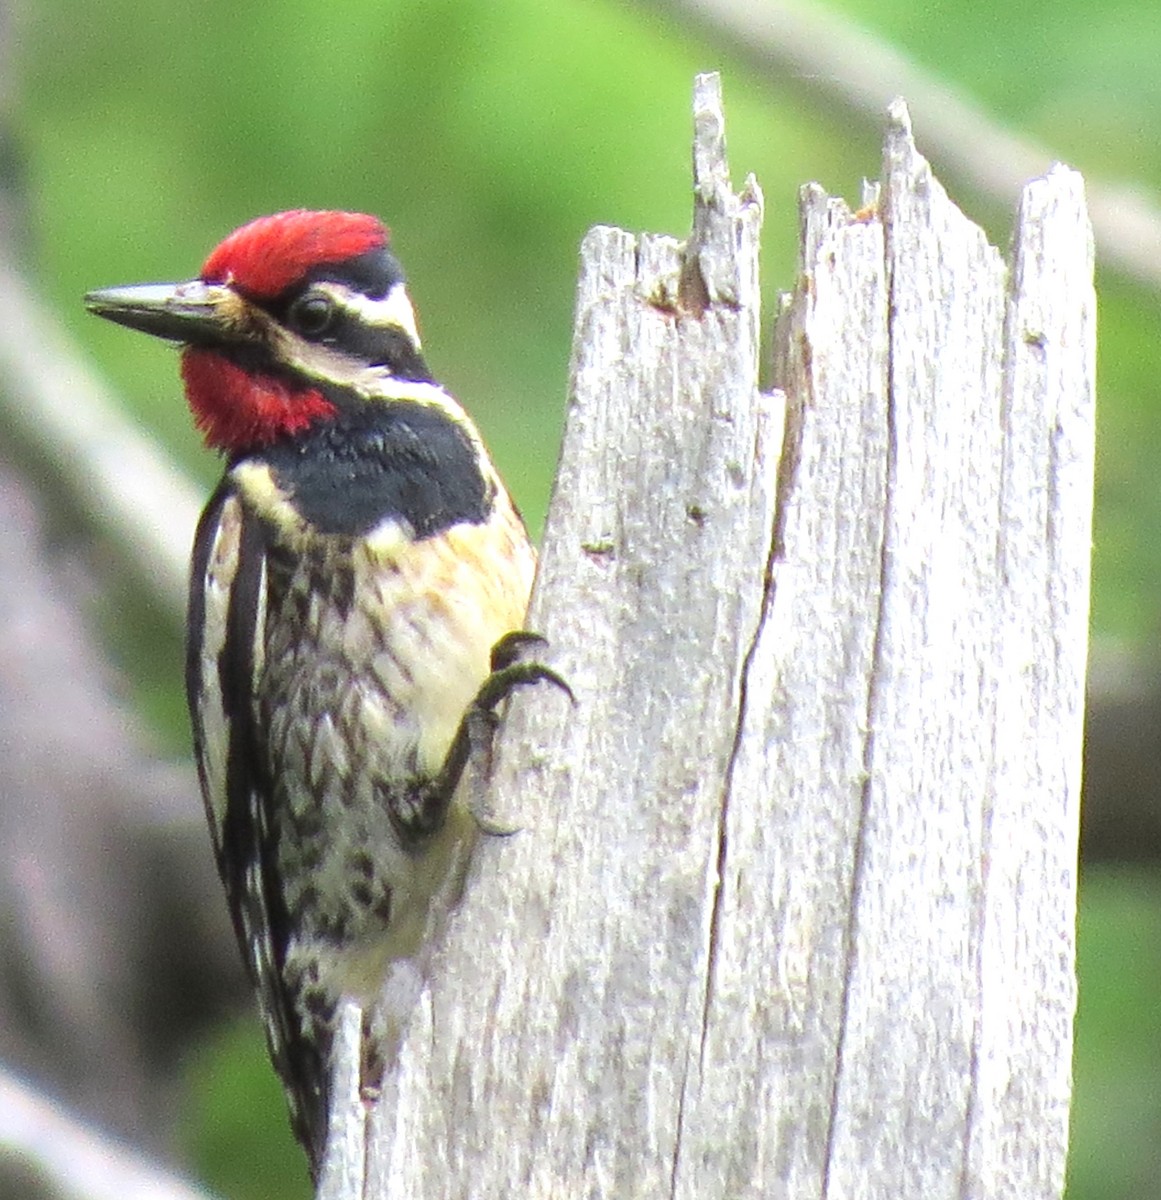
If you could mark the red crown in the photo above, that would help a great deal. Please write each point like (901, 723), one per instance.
(266, 256)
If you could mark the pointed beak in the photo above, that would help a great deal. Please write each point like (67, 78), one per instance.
(194, 312)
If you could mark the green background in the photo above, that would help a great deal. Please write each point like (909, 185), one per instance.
(490, 134)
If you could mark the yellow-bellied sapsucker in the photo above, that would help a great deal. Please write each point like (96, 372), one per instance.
(351, 577)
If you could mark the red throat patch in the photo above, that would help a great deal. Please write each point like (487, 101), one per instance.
(269, 254)
(237, 410)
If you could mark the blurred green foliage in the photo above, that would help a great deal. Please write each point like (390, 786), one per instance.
(1116, 1143)
(233, 1123)
(491, 134)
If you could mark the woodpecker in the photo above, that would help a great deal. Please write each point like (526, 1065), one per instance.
(357, 579)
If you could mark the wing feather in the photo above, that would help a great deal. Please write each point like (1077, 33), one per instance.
(224, 658)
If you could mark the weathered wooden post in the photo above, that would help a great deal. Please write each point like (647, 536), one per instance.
(791, 911)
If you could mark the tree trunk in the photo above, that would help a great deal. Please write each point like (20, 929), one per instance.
(790, 912)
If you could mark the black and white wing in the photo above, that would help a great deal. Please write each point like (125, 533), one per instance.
(224, 659)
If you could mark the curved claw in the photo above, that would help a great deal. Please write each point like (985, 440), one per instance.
(506, 651)
(490, 828)
(500, 684)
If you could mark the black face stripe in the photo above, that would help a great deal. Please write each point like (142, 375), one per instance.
(376, 345)
(380, 347)
(397, 459)
(374, 274)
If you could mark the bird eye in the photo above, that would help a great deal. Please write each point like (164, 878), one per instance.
(312, 313)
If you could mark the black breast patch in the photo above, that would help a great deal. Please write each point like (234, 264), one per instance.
(393, 459)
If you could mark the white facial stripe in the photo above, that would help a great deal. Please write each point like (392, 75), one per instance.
(330, 365)
(394, 311)
(326, 363)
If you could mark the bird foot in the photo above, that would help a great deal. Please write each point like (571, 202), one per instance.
(423, 810)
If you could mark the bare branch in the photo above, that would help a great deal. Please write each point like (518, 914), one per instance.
(70, 1159)
(111, 471)
(115, 939)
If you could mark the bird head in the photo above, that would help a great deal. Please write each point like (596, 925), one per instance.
(293, 318)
